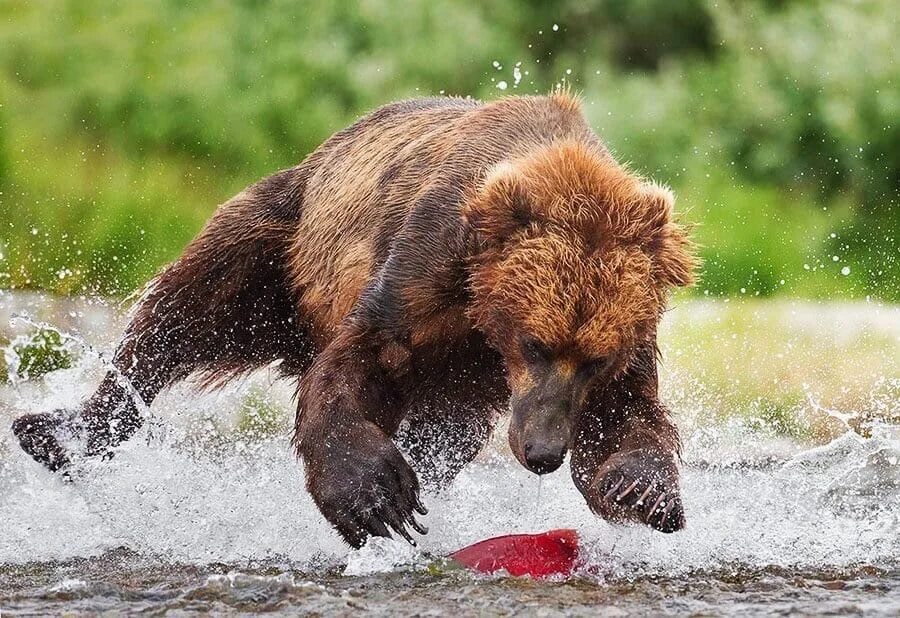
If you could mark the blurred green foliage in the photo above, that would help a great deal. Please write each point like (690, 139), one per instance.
(122, 125)
(260, 416)
(34, 355)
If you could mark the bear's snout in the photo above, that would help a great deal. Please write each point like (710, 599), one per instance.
(544, 456)
(539, 435)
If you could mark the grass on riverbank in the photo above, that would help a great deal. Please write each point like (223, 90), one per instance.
(786, 366)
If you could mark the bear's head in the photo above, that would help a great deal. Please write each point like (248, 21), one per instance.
(575, 258)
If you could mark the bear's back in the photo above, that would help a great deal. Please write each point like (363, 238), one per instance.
(368, 177)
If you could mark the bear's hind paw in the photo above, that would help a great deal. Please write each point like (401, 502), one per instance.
(41, 436)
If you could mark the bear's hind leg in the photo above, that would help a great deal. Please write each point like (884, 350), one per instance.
(441, 440)
(222, 309)
(455, 410)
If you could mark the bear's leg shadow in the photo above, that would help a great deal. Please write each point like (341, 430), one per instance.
(441, 440)
(222, 309)
(455, 413)
(625, 454)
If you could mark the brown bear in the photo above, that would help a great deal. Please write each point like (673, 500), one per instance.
(423, 267)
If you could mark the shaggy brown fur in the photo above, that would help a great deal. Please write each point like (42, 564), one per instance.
(429, 265)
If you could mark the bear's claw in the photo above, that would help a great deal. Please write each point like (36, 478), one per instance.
(628, 483)
(369, 491)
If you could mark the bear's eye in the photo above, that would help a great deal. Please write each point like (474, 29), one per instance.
(594, 367)
(535, 351)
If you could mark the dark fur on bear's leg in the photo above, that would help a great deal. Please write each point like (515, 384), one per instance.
(222, 309)
(626, 451)
(639, 485)
(631, 477)
(349, 405)
(101, 423)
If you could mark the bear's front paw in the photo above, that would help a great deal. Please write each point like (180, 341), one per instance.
(363, 486)
(639, 485)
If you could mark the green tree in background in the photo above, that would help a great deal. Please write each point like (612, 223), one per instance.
(122, 125)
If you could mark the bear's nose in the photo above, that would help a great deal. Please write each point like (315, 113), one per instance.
(543, 458)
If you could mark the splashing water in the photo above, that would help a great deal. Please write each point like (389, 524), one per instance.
(222, 519)
(155, 426)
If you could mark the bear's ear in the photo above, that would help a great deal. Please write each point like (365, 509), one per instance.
(675, 259)
(500, 207)
(672, 252)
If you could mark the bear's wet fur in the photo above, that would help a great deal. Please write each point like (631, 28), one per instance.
(436, 262)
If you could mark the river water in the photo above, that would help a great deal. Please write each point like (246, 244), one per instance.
(192, 515)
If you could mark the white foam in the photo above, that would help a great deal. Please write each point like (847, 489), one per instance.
(831, 506)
